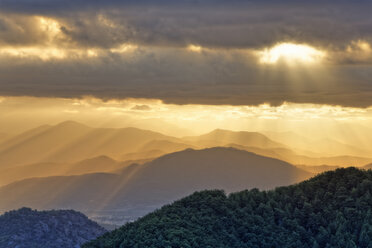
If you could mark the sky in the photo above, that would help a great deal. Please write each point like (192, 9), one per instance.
(212, 63)
(189, 52)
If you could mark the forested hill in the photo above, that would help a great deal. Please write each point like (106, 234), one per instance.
(333, 209)
(27, 228)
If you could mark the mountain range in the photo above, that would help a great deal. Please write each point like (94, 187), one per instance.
(107, 173)
(323, 147)
(147, 186)
(70, 142)
(47, 169)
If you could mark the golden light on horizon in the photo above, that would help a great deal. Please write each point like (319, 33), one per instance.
(43, 53)
(194, 48)
(289, 53)
(126, 47)
(315, 122)
(48, 53)
(153, 111)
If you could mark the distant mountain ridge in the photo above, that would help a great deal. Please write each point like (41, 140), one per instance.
(220, 137)
(25, 228)
(71, 141)
(92, 165)
(325, 147)
(294, 158)
(150, 185)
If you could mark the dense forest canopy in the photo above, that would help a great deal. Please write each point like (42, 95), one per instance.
(329, 210)
(27, 228)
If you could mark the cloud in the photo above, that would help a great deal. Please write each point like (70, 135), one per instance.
(141, 108)
(239, 24)
(180, 76)
(185, 51)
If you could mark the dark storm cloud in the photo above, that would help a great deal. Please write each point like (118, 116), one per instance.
(221, 74)
(243, 24)
(182, 77)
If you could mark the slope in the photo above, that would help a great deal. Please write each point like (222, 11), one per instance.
(294, 158)
(221, 137)
(92, 165)
(324, 147)
(150, 185)
(26, 228)
(330, 210)
(70, 141)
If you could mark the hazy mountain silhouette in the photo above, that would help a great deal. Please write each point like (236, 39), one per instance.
(70, 141)
(221, 137)
(92, 165)
(23, 137)
(149, 154)
(316, 169)
(294, 158)
(25, 228)
(156, 148)
(165, 145)
(154, 183)
(346, 161)
(324, 147)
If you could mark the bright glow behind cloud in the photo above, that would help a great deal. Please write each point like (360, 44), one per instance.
(290, 53)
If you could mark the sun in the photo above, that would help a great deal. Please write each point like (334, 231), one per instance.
(290, 53)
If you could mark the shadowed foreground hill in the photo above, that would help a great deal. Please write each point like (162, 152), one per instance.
(330, 210)
(155, 183)
(25, 228)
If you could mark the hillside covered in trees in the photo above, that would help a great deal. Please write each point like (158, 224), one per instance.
(330, 210)
(27, 228)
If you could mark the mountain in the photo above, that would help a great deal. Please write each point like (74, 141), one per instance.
(157, 148)
(227, 168)
(290, 156)
(330, 210)
(141, 188)
(25, 228)
(165, 145)
(221, 137)
(24, 136)
(71, 141)
(92, 165)
(316, 169)
(344, 161)
(325, 147)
